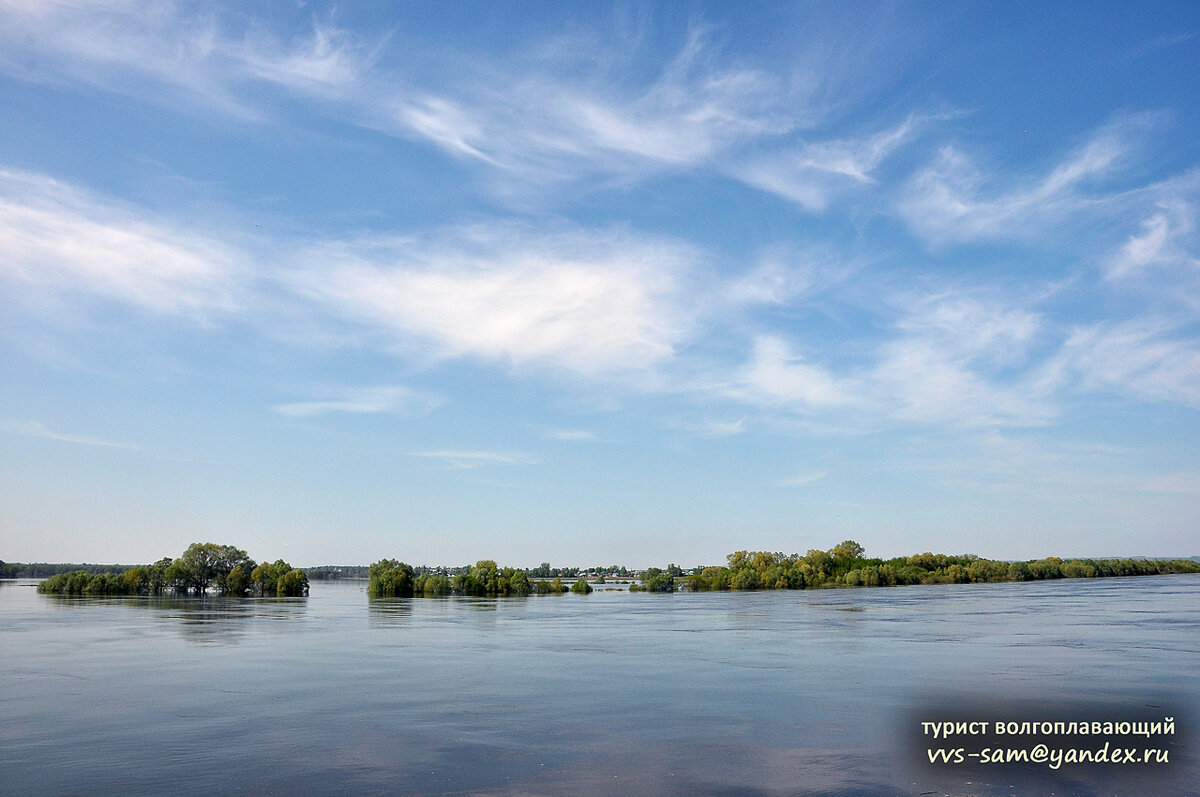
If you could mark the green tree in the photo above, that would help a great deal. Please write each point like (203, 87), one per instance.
(205, 563)
(486, 579)
(137, 580)
(846, 551)
(581, 587)
(655, 580)
(555, 587)
(237, 581)
(292, 584)
(390, 579)
(820, 561)
(431, 584)
(1019, 571)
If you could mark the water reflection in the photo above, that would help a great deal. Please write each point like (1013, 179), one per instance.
(226, 620)
(206, 619)
(389, 612)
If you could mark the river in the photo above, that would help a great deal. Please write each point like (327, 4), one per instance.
(771, 693)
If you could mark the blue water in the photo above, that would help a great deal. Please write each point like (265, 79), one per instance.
(815, 692)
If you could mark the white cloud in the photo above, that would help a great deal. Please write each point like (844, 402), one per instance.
(771, 283)
(546, 120)
(328, 62)
(804, 479)
(811, 175)
(1166, 241)
(388, 398)
(918, 380)
(571, 435)
(37, 429)
(579, 302)
(163, 52)
(468, 460)
(968, 327)
(57, 237)
(952, 200)
(561, 114)
(130, 46)
(723, 428)
(777, 376)
(1146, 358)
(942, 368)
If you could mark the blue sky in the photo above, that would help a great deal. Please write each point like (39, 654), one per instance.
(592, 284)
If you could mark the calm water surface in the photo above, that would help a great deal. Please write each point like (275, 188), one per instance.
(817, 692)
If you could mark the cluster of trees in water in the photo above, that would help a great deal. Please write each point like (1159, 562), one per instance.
(230, 571)
(845, 566)
(657, 580)
(392, 579)
(225, 568)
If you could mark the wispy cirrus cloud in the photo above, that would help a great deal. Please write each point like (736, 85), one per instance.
(56, 237)
(38, 429)
(612, 306)
(960, 361)
(716, 428)
(571, 435)
(1162, 255)
(469, 460)
(167, 53)
(566, 111)
(559, 114)
(811, 175)
(363, 401)
(1153, 359)
(954, 200)
(804, 479)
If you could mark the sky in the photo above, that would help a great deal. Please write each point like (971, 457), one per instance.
(593, 284)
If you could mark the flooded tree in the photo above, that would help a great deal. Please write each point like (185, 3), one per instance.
(204, 565)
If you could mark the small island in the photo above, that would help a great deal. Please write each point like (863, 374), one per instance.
(392, 579)
(225, 568)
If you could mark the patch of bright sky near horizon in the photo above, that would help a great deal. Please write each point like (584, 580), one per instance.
(595, 284)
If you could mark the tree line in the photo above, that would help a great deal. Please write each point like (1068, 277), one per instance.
(845, 566)
(335, 572)
(230, 571)
(204, 565)
(46, 569)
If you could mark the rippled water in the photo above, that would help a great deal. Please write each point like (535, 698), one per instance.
(721, 693)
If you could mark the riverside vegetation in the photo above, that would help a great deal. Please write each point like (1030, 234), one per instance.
(204, 564)
(843, 565)
(230, 571)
